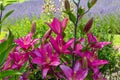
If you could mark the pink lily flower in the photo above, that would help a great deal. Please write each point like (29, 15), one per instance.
(26, 42)
(60, 46)
(92, 40)
(15, 61)
(93, 60)
(77, 73)
(46, 59)
(58, 26)
(97, 75)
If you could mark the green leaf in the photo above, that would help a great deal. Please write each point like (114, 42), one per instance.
(23, 68)
(7, 15)
(4, 55)
(89, 4)
(3, 46)
(10, 37)
(72, 17)
(81, 11)
(9, 2)
(6, 46)
(9, 73)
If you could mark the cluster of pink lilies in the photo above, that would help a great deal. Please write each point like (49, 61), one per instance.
(48, 56)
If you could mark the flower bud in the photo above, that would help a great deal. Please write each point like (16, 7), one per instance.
(88, 26)
(33, 27)
(46, 36)
(67, 5)
(93, 2)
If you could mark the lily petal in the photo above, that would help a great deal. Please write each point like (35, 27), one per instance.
(69, 43)
(99, 62)
(44, 72)
(54, 44)
(67, 71)
(64, 23)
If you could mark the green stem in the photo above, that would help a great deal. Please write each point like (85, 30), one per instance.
(75, 34)
(1, 17)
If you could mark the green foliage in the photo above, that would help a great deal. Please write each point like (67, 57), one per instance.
(5, 48)
(5, 73)
(7, 14)
(23, 27)
(101, 30)
(112, 21)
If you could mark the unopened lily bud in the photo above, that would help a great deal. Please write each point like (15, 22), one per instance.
(93, 2)
(33, 28)
(84, 62)
(88, 26)
(67, 5)
(47, 34)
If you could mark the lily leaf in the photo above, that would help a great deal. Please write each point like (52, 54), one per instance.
(9, 73)
(7, 15)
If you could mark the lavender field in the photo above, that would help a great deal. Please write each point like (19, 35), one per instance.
(34, 8)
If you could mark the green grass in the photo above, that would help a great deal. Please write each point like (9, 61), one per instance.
(116, 40)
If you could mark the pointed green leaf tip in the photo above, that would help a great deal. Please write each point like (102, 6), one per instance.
(7, 15)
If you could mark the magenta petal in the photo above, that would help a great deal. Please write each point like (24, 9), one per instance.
(99, 62)
(79, 47)
(81, 40)
(67, 71)
(69, 43)
(55, 63)
(54, 44)
(79, 53)
(56, 26)
(34, 41)
(102, 44)
(39, 61)
(37, 53)
(48, 49)
(77, 66)
(64, 23)
(44, 72)
(67, 52)
(91, 38)
(81, 75)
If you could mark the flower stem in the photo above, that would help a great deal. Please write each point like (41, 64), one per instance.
(1, 16)
(75, 33)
